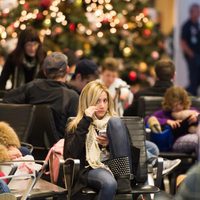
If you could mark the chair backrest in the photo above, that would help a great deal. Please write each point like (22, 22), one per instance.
(44, 133)
(2, 93)
(196, 102)
(19, 116)
(149, 104)
(137, 134)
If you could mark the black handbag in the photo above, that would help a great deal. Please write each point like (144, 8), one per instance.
(119, 166)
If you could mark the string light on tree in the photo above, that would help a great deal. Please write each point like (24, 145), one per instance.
(117, 28)
(127, 51)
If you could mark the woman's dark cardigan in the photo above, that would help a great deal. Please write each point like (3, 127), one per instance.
(74, 147)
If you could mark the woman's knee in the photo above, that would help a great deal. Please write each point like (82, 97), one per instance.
(109, 184)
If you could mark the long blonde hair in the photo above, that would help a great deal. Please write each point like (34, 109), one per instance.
(88, 97)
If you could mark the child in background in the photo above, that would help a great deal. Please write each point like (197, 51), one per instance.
(176, 100)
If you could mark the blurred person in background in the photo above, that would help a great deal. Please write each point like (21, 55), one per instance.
(190, 43)
(165, 72)
(24, 62)
(86, 70)
(119, 89)
(72, 61)
(52, 91)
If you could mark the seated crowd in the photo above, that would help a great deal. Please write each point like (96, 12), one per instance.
(96, 133)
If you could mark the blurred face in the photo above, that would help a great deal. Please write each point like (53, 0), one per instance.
(102, 105)
(108, 77)
(83, 81)
(195, 12)
(31, 48)
(177, 106)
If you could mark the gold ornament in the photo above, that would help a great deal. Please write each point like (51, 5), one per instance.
(142, 67)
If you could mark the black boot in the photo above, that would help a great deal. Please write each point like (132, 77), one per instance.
(121, 170)
(123, 185)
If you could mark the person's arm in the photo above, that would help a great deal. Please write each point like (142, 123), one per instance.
(17, 95)
(185, 36)
(73, 104)
(75, 142)
(160, 115)
(7, 70)
(186, 49)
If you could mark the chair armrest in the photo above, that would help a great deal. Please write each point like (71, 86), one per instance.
(158, 180)
(8, 168)
(73, 165)
(71, 169)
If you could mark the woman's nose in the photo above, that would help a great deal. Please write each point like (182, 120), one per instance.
(101, 104)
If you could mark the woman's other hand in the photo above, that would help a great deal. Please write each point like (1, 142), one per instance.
(174, 123)
(102, 140)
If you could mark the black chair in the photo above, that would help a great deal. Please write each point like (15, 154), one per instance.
(2, 94)
(19, 116)
(136, 129)
(43, 134)
(149, 104)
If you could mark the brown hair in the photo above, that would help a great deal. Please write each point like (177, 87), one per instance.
(174, 94)
(28, 35)
(165, 70)
(110, 64)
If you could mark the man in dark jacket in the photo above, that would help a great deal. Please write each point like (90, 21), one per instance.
(165, 71)
(52, 91)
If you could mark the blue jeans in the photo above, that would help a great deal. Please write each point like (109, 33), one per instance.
(119, 143)
(152, 151)
(104, 182)
(3, 187)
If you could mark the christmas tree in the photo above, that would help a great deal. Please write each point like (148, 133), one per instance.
(127, 29)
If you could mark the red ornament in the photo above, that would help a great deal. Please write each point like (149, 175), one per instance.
(45, 4)
(26, 6)
(5, 14)
(145, 11)
(72, 27)
(105, 21)
(147, 32)
(40, 16)
(132, 75)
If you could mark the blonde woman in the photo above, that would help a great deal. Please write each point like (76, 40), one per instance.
(96, 136)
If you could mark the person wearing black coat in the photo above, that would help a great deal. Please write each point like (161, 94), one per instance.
(95, 136)
(24, 62)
